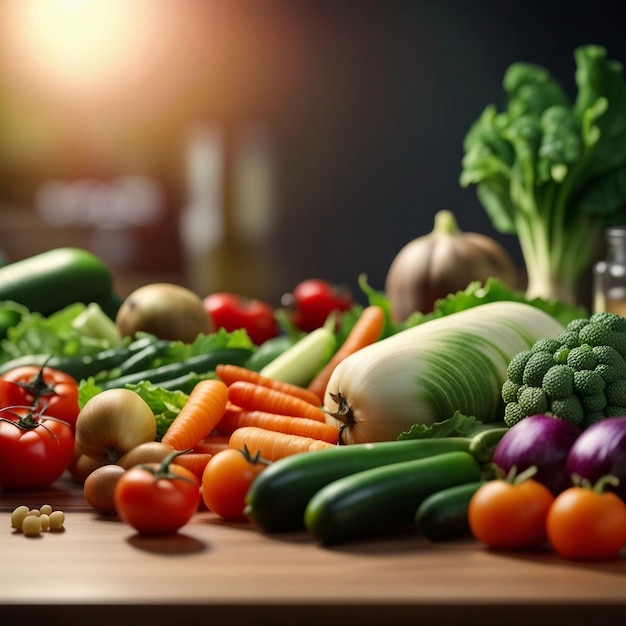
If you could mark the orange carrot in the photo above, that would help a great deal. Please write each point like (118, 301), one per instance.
(366, 330)
(234, 419)
(212, 444)
(257, 397)
(195, 462)
(272, 445)
(230, 373)
(202, 411)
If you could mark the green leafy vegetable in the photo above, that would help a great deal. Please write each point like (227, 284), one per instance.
(58, 334)
(458, 425)
(553, 172)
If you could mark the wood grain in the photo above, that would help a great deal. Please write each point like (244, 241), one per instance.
(98, 571)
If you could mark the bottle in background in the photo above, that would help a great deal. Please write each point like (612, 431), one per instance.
(609, 275)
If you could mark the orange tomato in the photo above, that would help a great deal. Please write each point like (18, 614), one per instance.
(510, 515)
(587, 524)
(226, 480)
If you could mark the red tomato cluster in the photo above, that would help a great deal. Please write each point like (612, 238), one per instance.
(313, 300)
(38, 411)
(232, 312)
(307, 308)
(584, 522)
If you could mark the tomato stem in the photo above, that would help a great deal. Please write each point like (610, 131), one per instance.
(600, 486)
(163, 469)
(257, 459)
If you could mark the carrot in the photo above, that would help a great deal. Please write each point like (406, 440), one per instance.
(234, 419)
(272, 445)
(202, 411)
(212, 444)
(230, 373)
(366, 330)
(195, 462)
(257, 397)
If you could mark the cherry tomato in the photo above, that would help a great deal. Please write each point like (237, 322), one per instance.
(226, 480)
(313, 300)
(586, 523)
(43, 388)
(35, 450)
(157, 498)
(232, 312)
(507, 514)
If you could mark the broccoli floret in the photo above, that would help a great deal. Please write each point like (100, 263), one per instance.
(614, 411)
(611, 366)
(533, 400)
(582, 358)
(558, 383)
(536, 368)
(576, 325)
(580, 376)
(569, 338)
(569, 409)
(546, 345)
(513, 414)
(515, 370)
(616, 393)
(594, 403)
(509, 391)
(610, 320)
(560, 356)
(588, 383)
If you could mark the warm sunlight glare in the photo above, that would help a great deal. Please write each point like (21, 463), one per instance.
(79, 46)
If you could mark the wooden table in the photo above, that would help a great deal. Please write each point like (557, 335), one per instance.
(99, 571)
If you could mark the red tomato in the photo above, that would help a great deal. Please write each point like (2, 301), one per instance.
(586, 524)
(34, 450)
(510, 515)
(232, 312)
(313, 300)
(157, 498)
(43, 388)
(226, 480)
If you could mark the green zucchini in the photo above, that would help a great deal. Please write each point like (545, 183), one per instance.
(278, 497)
(51, 280)
(83, 366)
(199, 364)
(443, 515)
(383, 499)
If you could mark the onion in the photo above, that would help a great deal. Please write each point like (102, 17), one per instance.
(541, 441)
(113, 422)
(601, 451)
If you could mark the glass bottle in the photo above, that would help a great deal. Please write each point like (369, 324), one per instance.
(609, 275)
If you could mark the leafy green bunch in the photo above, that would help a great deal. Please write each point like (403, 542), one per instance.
(553, 172)
(580, 376)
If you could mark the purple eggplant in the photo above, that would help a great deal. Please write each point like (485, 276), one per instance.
(601, 451)
(542, 441)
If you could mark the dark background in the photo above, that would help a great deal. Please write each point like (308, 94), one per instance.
(368, 104)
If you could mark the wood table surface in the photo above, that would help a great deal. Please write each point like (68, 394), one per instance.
(99, 571)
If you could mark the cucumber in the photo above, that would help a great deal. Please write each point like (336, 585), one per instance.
(268, 351)
(278, 497)
(299, 363)
(199, 364)
(443, 515)
(51, 280)
(383, 499)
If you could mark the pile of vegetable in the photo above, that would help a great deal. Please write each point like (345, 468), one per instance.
(450, 409)
(551, 171)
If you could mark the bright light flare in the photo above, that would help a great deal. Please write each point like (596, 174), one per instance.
(79, 47)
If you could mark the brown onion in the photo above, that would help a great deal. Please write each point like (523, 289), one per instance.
(113, 422)
(442, 262)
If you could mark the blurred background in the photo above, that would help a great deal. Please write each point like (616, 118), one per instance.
(246, 145)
